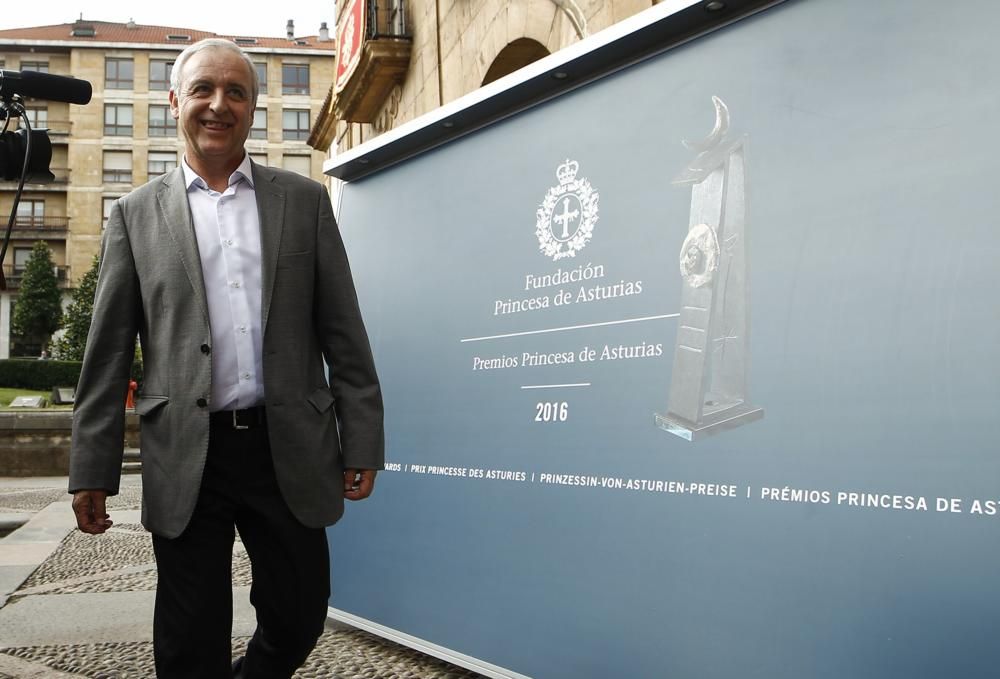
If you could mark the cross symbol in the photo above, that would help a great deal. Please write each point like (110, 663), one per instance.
(566, 217)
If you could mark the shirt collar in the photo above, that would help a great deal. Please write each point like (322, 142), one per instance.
(191, 178)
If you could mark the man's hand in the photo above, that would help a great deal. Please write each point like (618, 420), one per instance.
(91, 517)
(358, 483)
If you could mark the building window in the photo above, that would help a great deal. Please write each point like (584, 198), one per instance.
(295, 124)
(118, 120)
(161, 162)
(161, 123)
(299, 164)
(259, 158)
(39, 66)
(259, 128)
(118, 74)
(108, 202)
(30, 214)
(295, 78)
(83, 30)
(159, 74)
(118, 167)
(38, 117)
(261, 76)
(21, 256)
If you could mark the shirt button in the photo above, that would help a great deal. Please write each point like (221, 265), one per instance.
(245, 376)
(234, 284)
(242, 329)
(205, 349)
(201, 402)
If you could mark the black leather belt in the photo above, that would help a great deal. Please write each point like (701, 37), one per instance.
(248, 418)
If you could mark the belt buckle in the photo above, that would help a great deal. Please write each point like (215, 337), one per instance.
(236, 423)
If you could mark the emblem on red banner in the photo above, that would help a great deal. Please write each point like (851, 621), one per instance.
(350, 40)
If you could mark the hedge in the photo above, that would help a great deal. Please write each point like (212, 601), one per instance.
(44, 375)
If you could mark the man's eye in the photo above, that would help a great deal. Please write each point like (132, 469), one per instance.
(237, 93)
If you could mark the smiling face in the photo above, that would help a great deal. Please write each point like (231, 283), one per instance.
(214, 105)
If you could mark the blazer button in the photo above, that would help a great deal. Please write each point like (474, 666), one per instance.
(201, 402)
(205, 349)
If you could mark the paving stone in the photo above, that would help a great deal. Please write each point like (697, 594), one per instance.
(340, 654)
(129, 497)
(30, 500)
(133, 581)
(81, 554)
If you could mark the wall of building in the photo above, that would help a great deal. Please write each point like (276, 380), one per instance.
(456, 41)
(321, 73)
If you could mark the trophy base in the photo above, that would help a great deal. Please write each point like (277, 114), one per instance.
(710, 424)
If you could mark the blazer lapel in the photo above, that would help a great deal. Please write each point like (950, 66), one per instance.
(271, 210)
(172, 198)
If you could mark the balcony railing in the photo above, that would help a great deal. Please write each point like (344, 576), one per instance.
(15, 274)
(61, 179)
(36, 226)
(387, 19)
(382, 64)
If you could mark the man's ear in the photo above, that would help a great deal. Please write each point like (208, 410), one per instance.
(175, 110)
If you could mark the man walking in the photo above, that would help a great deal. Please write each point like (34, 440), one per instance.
(235, 279)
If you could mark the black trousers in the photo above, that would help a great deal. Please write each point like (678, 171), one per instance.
(192, 621)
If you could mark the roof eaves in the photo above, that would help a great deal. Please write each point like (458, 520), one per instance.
(177, 46)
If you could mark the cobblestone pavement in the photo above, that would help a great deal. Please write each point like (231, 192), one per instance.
(122, 561)
(340, 654)
(29, 499)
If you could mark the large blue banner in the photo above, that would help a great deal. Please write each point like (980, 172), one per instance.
(692, 372)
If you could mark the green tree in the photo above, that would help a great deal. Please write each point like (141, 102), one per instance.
(39, 302)
(76, 320)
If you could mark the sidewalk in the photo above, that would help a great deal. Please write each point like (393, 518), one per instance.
(75, 605)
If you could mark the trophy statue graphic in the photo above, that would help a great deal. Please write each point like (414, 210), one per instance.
(708, 385)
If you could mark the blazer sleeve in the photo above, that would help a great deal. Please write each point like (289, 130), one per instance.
(99, 411)
(341, 331)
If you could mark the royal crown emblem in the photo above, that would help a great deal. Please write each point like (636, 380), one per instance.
(565, 220)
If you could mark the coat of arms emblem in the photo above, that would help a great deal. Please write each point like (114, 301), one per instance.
(565, 220)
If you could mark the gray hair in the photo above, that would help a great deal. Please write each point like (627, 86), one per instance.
(211, 43)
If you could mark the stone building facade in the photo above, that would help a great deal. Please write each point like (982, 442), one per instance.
(126, 135)
(452, 48)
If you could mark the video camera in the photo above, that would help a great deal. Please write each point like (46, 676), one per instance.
(24, 152)
(14, 85)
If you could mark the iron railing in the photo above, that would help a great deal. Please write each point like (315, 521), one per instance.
(13, 275)
(61, 175)
(387, 19)
(41, 223)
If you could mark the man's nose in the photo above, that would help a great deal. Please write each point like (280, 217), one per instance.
(219, 102)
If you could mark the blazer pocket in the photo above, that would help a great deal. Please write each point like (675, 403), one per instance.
(144, 405)
(293, 260)
(321, 399)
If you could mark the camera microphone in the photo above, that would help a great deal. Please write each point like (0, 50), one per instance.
(44, 86)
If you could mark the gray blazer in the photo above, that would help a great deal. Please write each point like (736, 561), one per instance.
(150, 284)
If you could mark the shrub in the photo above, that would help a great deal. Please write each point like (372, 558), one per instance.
(76, 320)
(39, 302)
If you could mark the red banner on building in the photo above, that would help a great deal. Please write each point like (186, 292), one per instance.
(350, 40)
